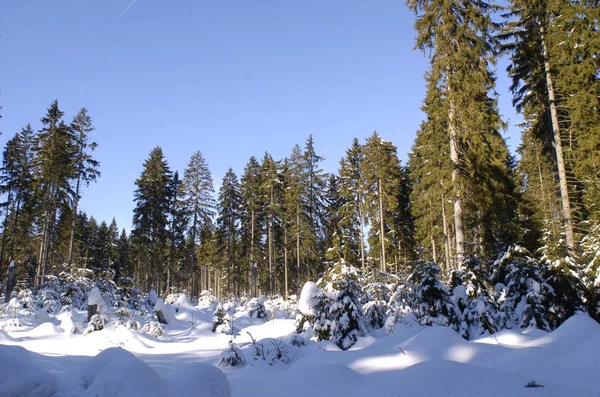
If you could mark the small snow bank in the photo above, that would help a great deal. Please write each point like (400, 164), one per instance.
(321, 379)
(578, 329)
(44, 330)
(117, 373)
(21, 377)
(199, 379)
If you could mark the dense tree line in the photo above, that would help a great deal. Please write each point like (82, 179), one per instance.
(461, 197)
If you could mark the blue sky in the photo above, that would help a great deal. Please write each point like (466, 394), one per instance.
(231, 79)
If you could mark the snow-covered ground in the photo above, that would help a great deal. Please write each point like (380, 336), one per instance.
(40, 356)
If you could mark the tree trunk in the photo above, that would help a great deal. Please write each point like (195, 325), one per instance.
(361, 223)
(557, 144)
(285, 265)
(72, 239)
(381, 231)
(458, 206)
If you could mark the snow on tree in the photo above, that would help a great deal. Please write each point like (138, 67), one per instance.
(590, 246)
(232, 357)
(524, 297)
(432, 302)
(376, 307)
(346, 314)
(474, 299)
(257, 308)
(218, 317)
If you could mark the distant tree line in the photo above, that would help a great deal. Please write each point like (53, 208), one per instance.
(460, 196)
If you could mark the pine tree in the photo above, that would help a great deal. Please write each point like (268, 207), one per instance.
(270, 183)
(199, 194)
(229, 204)
(16, 182)
(352, 211)
(382, 174)
(251, 219)
(459, 36)
(54, 169)
(333, 236)
(86, 167)
(177, 227)
(313, 189)
(150, 216)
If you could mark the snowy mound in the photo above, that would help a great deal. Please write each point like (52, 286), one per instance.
(45, 329)
(21, 377)
(117, 373)
(199, 379)
(309, 292)
(95, 297)
(578, 329)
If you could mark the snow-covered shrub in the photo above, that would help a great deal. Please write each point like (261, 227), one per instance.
(207, 300)
(432, 303)
(124, 317)
(474, 299)
(308, 299)
(232, 357)
(346, 314)
(523, 296)
(376, 308)
(218, 317)
(400, 303)
(96, 323)
(256, 308)
(297, 340)
(154, 328)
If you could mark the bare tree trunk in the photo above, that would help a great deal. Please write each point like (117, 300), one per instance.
(285, 265)
(361, 222)
(557, 144)
(447, 243)
(381, 231)
(458, 206)
(72, 239)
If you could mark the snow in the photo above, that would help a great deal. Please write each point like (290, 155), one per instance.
(309, 292)
(42, 357)
(95, 297)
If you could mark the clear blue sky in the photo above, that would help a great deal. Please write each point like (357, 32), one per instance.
(231, 79)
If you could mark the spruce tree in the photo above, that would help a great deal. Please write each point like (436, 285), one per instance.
(251, 213)
(199, 195)
(229, 204)
(85, 166)
(54, 169)
(150, 216)
(459, 36)
(382, 174)
(352, 210)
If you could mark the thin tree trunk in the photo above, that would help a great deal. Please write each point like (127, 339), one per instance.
(447, 240)
(72, 239)
(4, 234)
(557, 144)
(285, 265)
(298, 238)
(270, 237)
(253, 286)
(433, 251)
(381, 232)
(361, 222)
(458, 206)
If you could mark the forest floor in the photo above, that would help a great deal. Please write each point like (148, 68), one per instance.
(41, 357)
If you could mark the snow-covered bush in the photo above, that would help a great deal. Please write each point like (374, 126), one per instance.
(124, 317)
(232, 357)
(339, 270)
(218, 317)
(432, 303)
(154, 328)
(346, 314)
(474, 299)
(523, 296)
(207, 300)
(96, 323)
(376, 308)
(256, 308)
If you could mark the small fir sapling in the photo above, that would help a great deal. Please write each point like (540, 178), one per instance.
(346, 314)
